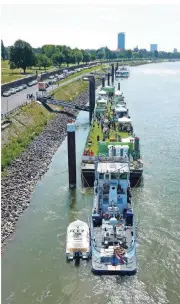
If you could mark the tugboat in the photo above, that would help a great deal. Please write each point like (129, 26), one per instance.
(78, 241)
(123, 72)
(113, 229)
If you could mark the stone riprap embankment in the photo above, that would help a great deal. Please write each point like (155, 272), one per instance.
(23, 173)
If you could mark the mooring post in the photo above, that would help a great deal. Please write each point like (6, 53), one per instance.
(71, 141)
(108, 79)
(112, 73)
(119, 86)
(103, 82)
(91, 97)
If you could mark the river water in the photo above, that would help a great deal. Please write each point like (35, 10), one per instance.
(34, 268)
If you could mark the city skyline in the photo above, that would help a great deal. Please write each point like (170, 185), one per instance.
(72, 25)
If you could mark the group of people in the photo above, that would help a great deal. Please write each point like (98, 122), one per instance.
(30, 96)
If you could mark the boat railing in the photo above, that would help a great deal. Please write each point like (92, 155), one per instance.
(104, 158)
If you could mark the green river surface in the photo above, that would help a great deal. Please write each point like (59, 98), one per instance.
(34, 268)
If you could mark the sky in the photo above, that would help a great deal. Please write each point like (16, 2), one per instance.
(92, 26)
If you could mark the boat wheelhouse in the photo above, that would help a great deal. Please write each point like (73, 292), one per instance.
(102, 95)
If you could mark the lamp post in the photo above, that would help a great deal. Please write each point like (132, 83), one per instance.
(91, 80)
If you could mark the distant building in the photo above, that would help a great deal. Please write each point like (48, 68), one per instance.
(153, 47)
(175, 51)
(121, 41)
(136, 49)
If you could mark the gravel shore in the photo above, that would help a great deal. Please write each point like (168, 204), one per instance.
(24, 172)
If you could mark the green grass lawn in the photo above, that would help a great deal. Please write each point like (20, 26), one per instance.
(8, 75)
(21, 135)
(70, 91)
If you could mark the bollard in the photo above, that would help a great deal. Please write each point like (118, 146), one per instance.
(136, 148)
(92, 98)
(108, 79)
(117, 65)
(71, 141)
(119, 86)
(103, 82)
(112, 73)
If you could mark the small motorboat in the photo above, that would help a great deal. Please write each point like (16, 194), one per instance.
(78, 241)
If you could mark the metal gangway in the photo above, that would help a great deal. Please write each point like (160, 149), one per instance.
(45, 101)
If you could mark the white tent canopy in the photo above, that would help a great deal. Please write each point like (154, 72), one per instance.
(118, 93)
(121, 109)
(102, 101)
(102, 92)
(124, 120)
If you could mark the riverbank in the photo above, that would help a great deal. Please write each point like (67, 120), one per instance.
(24, 172)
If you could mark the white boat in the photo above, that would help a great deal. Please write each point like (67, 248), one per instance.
(78, 241)
(123, 72)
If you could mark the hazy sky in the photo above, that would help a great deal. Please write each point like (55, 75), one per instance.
(90, 26)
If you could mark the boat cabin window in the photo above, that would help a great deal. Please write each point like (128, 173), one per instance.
(123, 176)
(113, 176)
(107, 176)
(101, 176)
(101, 104)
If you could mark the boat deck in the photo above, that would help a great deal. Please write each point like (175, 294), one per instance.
(98, 267)
(96, 130)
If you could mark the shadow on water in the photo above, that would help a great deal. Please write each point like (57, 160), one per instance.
(138, 183)
(77, 262)
(73, 210)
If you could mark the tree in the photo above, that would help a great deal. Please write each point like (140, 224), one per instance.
(22, 55)
(57, 58)
(86, 57)
(100, 55)
(48, 50)
(69, 57)
(107, 52)
(3, 51)
(128, 54)
(12, 66)
(38, 59)
(156, 54)
(46, 62)
(79, 56)
(93, 56)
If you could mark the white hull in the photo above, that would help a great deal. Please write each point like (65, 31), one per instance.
(78, 241)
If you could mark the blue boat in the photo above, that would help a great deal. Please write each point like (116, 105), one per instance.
(113, 239)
